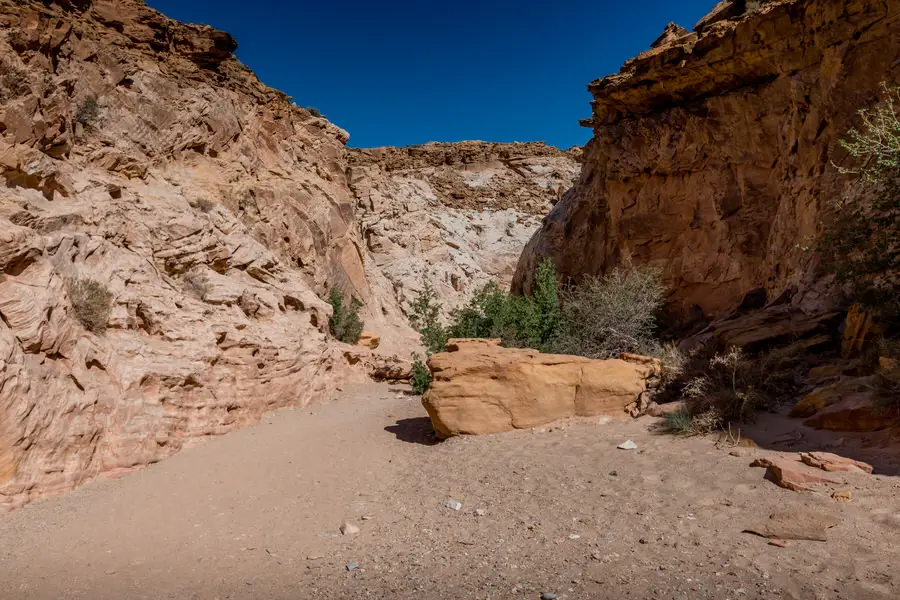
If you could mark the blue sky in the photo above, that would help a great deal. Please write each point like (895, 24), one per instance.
(401, 72)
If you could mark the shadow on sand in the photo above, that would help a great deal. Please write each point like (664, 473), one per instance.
(779, 432)
(417, 430)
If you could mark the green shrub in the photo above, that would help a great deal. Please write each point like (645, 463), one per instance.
(679, 421)
(606, 316)
(425, 317)
(88, 112)
(421, 376)
(314, 112)
(91, 302)
(520, 321)
(345, 323)
(861, 241)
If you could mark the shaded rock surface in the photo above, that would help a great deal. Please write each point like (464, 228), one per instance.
(713, 153)
(480, 387)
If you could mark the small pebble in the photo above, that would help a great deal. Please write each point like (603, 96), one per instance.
(480, 512)
(613, 473)
(627, 445)
(548, 596)
(352, 566)
(349, 528)
(574, 536)
(453, 504)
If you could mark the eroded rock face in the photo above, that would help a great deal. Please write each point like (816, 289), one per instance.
(137, 152)
(712, 155)
(456, 215)
(481, 388)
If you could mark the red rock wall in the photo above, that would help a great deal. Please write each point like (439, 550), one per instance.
(712, 155)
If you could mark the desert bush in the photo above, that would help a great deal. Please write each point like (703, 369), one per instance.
(731, 387)
(13, 81)
(314, 111)
(520, 321)
(606, 316)
(205, 204)
(88, 112)
(92, 303)
(421, 376)
(345, 324)
(425, 317)
(195, 284)
(679, 421)
(601, 318)
(861, 240)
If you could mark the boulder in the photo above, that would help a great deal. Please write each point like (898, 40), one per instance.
(790, 474)
(481, 388)
(831, 394)
(854, 413)
(834, 462)
(369, 340)
(801, 524)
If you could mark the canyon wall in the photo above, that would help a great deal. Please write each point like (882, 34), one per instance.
(455, 215)
(713, 154)
(138, 152)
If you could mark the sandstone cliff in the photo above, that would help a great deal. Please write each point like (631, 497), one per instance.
(712, 154)
(456, 215)
(136, 151)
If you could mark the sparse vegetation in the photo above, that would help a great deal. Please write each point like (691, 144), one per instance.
(314, 112)
(725, 388)
(13, 81)
(345, 324)
(421, 376)
(680, 422)
(205, 204)
(88, 112)
(520, 321)
(426, 319)
(195, 284)
(861, 241)
(607, 316)
(601, 318)
(91, 302)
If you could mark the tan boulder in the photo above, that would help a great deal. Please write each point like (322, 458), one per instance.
(831, 394)
(369, 340)
(790, 474)
(834, 462)
(481, 388)
(801, 524)
(854, 413)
